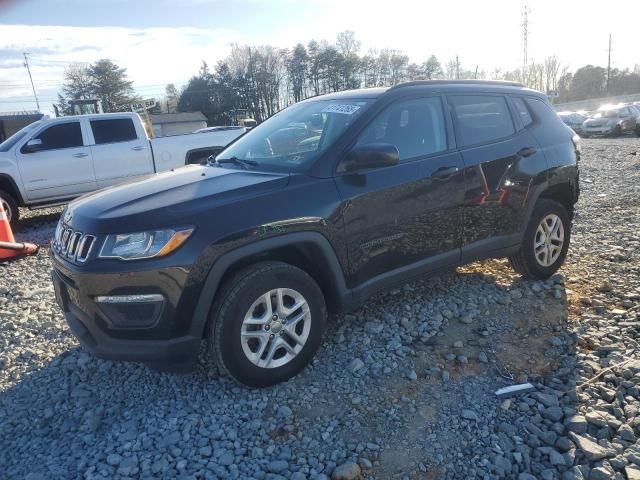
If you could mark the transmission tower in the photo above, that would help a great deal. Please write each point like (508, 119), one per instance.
(525, 39)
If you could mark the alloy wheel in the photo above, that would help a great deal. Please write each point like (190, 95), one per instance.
(549, 240)
(275, 328)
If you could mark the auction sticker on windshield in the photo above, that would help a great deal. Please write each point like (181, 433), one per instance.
(346, 109)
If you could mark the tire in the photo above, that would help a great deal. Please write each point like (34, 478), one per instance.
(616, 131)
(638, 131)
(11, 206)
(525, 261)
(237, 303)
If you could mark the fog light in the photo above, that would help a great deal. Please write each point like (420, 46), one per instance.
(131, 311)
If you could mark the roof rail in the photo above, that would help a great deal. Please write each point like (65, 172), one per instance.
(504, 83)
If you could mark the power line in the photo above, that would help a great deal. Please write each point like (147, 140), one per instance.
(26, 64)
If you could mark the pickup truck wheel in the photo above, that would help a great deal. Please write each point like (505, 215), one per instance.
(267, 323)
(10, 206)
(546, 241)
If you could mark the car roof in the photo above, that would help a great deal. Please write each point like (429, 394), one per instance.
(459, 86)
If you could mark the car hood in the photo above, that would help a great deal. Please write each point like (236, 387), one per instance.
(599, 121)
(167, 199)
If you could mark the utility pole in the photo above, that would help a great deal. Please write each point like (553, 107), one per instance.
(525, 41)
(457, 68)
(26, 64)
(609, 65)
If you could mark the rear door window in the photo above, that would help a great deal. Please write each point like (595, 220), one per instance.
(113, 130)
(481, 119)
(63, 135)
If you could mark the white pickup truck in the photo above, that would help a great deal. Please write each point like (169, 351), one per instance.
(55, 160)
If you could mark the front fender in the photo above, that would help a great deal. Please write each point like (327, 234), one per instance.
(327, 256)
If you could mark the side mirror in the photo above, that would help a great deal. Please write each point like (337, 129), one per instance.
(371, 155)
(32, 145)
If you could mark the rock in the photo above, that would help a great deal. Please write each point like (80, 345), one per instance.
(412, 375)
(633, 473)
(114, 459)
(625, 432)
(599, 419)
(482, 357)
(556, 458)
(546, 399)
(576, 423)
(373, 328)
(355, 365)
(591, 450)
(458, 344)
(468, 414)
(601, 473)
(278, 466)
(227, 459)
(284, 411)
(347, 471)
(553, 413)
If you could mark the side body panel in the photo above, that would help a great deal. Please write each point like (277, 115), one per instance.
(59, 173)
(120, 161)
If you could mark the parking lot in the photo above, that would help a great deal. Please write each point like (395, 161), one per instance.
(402, 387)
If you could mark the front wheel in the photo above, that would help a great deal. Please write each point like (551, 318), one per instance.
(267, 323)
(545, 243)
(617, 131)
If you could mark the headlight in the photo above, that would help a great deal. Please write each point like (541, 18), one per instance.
(154, 243)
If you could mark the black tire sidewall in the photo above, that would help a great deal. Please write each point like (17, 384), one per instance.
(228, 325)
(13, 205)
(544, 208)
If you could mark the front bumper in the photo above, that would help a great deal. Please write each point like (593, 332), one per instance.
(130, 316)
(604, 130)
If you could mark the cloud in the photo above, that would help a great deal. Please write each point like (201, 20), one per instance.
(153, 57)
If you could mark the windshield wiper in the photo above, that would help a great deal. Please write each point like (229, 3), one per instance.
(237, 161)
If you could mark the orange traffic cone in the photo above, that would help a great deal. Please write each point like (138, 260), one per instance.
(10, 248)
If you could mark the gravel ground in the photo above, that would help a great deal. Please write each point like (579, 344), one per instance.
(402, 388)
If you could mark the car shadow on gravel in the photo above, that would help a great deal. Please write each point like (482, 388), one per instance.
(403, 412)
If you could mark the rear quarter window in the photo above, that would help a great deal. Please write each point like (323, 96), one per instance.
(482, 119)
(522, 110)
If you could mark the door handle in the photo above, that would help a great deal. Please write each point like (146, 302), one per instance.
(80, 155)
(444, 172)
(138, 148)
(526, 152)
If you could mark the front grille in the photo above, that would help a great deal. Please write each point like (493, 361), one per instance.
(74, 245)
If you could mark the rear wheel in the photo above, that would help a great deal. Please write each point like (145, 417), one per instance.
(637, 130)
(545, 243)
(616, 131)
(10, 206)
(267, 323)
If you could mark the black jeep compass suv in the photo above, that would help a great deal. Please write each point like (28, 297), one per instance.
(314, 210)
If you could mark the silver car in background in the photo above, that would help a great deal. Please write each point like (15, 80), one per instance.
(612, 121)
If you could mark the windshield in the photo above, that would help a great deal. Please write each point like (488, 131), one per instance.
(296, 136)
(16, 137)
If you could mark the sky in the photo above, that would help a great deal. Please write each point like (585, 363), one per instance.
(165, 41)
